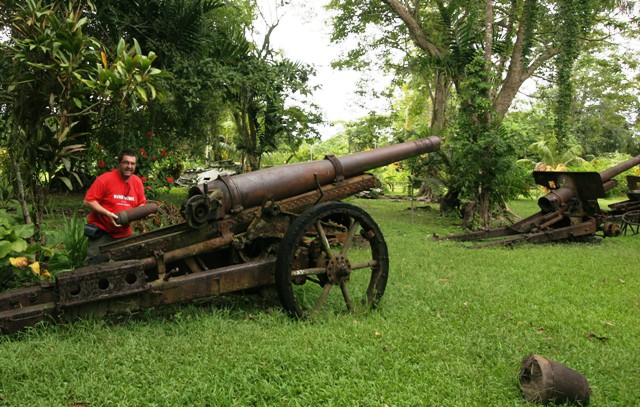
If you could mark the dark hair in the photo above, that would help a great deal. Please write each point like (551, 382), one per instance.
(127, 152)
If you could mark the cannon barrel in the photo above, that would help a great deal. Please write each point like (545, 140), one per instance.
(609, 173)
(575, 183)
(280, 182)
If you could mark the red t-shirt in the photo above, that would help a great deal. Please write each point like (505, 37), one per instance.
(115, 195)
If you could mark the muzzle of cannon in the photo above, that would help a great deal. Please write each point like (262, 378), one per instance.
(281, 227)
(569, 211)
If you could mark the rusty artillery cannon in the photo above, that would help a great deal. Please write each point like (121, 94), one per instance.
(279, 226)
(569, 211)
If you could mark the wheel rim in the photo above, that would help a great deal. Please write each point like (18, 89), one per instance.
(333, 258)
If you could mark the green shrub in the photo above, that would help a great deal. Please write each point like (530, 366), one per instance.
(19, 261)
(74, 241)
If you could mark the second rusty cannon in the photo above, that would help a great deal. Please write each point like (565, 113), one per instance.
(569, 211)
(281, 226)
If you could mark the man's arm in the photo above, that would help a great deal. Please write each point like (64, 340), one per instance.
(96, 207)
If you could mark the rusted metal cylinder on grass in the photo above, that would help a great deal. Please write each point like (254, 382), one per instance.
(137, 213)
(544, 381)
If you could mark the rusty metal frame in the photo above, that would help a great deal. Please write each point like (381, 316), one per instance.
(139, 277)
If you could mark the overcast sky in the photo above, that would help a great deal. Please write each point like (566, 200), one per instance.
(303, 35)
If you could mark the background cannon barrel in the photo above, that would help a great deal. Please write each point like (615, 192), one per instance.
(253, 188)
(585, 185)
(609, 173)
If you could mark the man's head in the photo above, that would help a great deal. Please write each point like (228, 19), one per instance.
(127, 163)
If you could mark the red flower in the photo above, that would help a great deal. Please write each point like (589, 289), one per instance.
(153, 158)
(145, 155)
(143, 179)
(170, 180)
(142, 150)
(149, 187)
(99, 147)
(163, 152)
(150, 133)
(101, 164)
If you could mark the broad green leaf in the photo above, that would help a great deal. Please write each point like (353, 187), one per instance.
(77, 102)
(63, 136)
(23, 231)
(77, 177)
(73, 148)
(19, 246)
(121, 45)
(5, 248)
(142, 92)
(67, 182)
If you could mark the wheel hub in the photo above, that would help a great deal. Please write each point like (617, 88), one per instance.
(338, 269)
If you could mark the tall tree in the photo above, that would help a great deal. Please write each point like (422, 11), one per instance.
(193, 40)
(604, 112)
(445, 40)
(264, 107)
(217, 74)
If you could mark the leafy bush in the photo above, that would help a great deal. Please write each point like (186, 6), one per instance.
(18, 259)
(74, 241)
(13, 235)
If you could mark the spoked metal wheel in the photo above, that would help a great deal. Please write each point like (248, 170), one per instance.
(333, 257)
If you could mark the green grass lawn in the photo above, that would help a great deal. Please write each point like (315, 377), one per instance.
(452, 330)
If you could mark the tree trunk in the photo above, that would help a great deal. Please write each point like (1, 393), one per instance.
(21, 196)
(485, 208)
(517, 73)
(450, 201)
(39, 195)
(440, 98)
(468, 214)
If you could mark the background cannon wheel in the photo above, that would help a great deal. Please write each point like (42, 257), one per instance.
(333, 257)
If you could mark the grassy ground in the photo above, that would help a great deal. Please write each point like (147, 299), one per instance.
(452, 330)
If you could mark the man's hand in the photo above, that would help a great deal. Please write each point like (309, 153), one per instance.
(96, 207)
(114, 219)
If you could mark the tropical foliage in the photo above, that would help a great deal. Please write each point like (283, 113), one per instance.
(439, 42)
(77, 79)
(56, 76)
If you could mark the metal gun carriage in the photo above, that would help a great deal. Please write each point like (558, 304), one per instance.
(569, 211)
(281, 226)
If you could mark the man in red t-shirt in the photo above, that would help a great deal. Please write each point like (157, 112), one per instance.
(113, 192)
